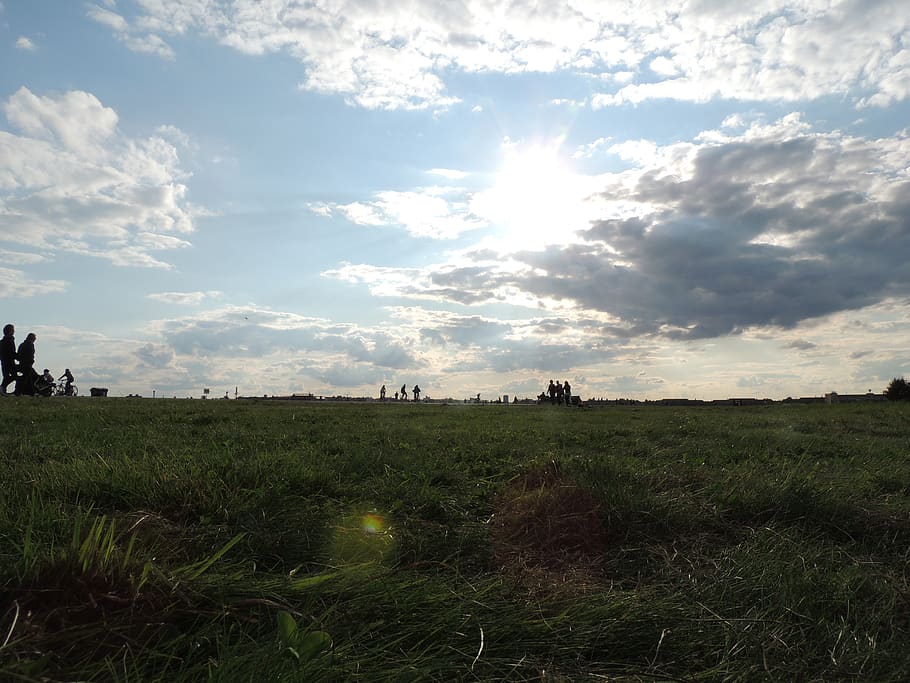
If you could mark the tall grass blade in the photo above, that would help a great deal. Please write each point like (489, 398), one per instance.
(197, 569)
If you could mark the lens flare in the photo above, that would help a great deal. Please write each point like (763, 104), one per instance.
(361, 537)
(373, 524)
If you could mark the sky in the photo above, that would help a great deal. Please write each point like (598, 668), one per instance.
(693, 198)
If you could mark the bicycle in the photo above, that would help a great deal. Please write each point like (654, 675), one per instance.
(60, 390)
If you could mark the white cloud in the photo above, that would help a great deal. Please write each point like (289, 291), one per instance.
(175, 135)
(733, 121)
(782, 51)
(23, 43)
(640, 152)
(621, 77)
(70, 180)
(20, 257)
(588, 150)
(663, 66)
(449, 173)
(76, 121)
(184, 298)
(435, 212)
(383, 281)
(16, 284)
(109, 19)
(135, 38)
(397, 54)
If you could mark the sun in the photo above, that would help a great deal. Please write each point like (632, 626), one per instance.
(535, 199)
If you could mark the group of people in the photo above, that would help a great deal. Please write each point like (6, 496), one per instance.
(559, 393)
(18, 365)
(401, 394)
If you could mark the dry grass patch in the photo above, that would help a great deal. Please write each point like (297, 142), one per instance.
(545, 521)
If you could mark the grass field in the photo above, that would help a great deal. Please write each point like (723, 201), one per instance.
(184, 540)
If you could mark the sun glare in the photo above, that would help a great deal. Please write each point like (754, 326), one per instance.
(536, 199)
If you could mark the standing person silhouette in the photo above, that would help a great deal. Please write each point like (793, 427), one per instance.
(567, 389)
(551, 390)
(27, 375)
(404, 392)
(8, 356)
(382, 393)
(416, 391)
(560, 392)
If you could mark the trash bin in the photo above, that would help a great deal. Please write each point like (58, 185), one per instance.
(96, 391)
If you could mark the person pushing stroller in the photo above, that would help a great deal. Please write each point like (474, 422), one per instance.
(44, 384)
(25, 354)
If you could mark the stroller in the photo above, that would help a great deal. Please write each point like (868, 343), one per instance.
(42, 386)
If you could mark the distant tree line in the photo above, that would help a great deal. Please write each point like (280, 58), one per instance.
(898, 390)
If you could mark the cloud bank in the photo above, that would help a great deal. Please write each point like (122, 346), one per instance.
(71, 181)
(774, 225)
(398, 54)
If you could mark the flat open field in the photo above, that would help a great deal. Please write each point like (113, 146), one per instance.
(171, 540)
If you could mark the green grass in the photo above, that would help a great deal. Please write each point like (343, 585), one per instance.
(263, 541)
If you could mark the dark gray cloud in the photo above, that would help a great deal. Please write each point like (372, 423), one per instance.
(801, 345)
(545, 345)
(763, 231)
(532, 354)
(156, 356)
(466, 331)
(350, 375)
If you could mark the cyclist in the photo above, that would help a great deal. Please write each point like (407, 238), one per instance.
(68, 387)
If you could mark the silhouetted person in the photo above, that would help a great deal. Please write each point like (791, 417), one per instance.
(560, 392)
(404, 392)
(567, 390)
(44, 383)
(8, 356)
(382, 393)
(68, 387)
(551, 390)
(25, 385)
(416, 391)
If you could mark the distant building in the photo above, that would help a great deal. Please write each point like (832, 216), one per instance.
(834, 397)
(741, 402)
(681, 402)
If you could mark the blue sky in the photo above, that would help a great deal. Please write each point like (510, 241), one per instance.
(649, 199)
